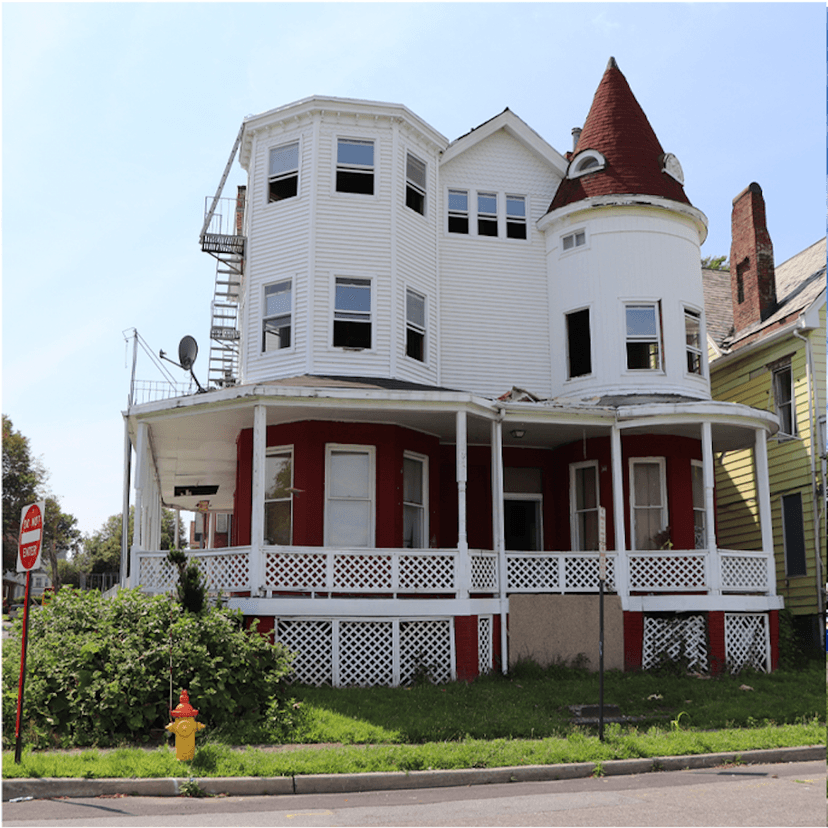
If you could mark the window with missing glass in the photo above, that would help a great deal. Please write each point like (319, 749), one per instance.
(355, 166)
(283, 174)
(276, 323)
(643, 323)
(579, 343)
(278, 498)
(692, 335)
(352, 313)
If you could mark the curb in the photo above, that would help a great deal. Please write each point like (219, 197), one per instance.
(397, 780)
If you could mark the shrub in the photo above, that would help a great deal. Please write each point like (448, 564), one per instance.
(98, 672)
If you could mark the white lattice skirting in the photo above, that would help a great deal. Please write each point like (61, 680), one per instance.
(485, 630)
(747, 641)
(369, 652)
(675, 638)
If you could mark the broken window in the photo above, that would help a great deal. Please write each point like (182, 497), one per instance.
(415, 325)
(487, 214)
(415, 184)
(515, 217)
(276, 324)
(692, 330)
(643, 337)
(579, 343)
(283, 172)
(458, 211)
(355, 166)
(352, 313)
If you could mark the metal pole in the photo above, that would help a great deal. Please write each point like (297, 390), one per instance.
(18, 748)
(602, 576)
(127, 470)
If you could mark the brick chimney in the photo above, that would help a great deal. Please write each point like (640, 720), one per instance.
(752, 277)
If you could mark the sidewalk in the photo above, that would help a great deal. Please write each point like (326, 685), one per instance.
(356, 783)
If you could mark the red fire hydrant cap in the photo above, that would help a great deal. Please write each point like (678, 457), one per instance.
(184, 708)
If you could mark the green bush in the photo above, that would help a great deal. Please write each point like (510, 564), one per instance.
(98, 672)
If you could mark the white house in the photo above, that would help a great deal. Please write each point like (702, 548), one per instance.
(434, 363)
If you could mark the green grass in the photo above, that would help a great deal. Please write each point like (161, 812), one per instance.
(494, 721)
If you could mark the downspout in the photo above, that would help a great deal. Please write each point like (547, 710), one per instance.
(816, 494)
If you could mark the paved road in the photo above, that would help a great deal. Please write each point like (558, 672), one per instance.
(779, 794)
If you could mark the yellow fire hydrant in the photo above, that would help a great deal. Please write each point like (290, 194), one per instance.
(185, 728)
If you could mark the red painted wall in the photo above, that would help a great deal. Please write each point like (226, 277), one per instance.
(465, 641)
(633, 640)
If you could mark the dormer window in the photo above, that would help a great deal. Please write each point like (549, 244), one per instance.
(588, 161)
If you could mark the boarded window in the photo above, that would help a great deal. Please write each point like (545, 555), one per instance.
(793, 529)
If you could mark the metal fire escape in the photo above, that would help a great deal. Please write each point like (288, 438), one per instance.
(222, 236)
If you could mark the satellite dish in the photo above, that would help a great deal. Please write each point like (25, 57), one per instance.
(187, 352)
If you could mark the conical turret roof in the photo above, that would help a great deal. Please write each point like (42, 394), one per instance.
(618, 128)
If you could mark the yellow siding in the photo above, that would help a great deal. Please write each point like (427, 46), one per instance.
(749, 381)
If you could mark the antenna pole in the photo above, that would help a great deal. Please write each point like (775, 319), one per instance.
(127, 467)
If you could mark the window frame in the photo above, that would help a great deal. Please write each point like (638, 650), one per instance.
(414, 187)
(635, 339)
(457, 215)
(777, 371)
(265, 318)
(661, 462)
(276, 451)
(700, 510)
(350, 169)
(285, 175)
(412, 327)
(692, 351)
(574, 235)
(513, 220)
(487, 218)
(344, 311)
(351, 448)
(575, 539)
(422, 507)
(576, 165)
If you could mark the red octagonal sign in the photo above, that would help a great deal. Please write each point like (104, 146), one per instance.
(31, 536)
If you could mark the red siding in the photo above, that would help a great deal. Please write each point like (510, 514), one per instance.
(716, 631)
(633, 640)
(465, 640)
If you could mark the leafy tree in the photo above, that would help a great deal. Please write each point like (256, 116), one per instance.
(60, 535)
(24, 482)
(102, 549)
(715, 263)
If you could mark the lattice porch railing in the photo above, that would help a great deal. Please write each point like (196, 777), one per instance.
(450, 573)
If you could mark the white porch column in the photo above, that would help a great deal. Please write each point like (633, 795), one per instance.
(499, 535)
(140, 479)
(760, 456)
(622, 569)
(463, 562)
(257, 500)
(714, 570)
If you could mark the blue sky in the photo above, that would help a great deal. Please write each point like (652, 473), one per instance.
(118, 119)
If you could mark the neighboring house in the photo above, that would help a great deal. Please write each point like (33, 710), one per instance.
(766, 336)
(436, 365)
(14, 585)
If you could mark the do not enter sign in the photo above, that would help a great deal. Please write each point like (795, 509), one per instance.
(31, 536)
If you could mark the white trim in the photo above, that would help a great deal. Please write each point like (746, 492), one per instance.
(655, 303)
(573, 170)
(370, 451)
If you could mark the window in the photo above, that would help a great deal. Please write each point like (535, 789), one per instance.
(584, 501)
(278, 497)
(352, 313)
(415, 325)
(648, 502)
(284, 172)
(573, 240)
(692, 331)
(783, 394)
(699, 512)
(587, 161)
(515, 217)
(793, 530)
(458, 211)
(415, 498)
(579, 346)
(276, 325)
(643, 337)
(355, 166)
(487, 214)
(349, 514)
(415, 184)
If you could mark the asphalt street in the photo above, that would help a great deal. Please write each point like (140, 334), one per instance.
(786, 794)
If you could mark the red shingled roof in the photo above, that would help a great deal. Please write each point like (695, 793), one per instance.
(618, 128)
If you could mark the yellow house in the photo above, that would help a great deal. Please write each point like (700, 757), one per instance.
(766, 343)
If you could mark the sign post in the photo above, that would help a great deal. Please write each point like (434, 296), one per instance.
(28, 558)
(602, 577)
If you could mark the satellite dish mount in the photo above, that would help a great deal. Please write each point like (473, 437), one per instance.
(187, 353)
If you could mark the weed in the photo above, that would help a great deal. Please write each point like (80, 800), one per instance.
(598, 770)
(676, 723)
(191, 788)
